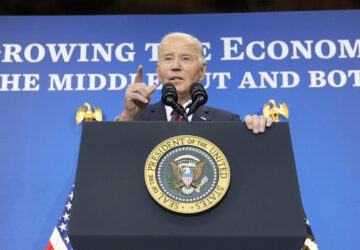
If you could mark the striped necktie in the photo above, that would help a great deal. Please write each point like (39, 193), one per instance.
(175, 117)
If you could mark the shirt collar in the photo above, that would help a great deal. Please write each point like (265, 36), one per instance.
(169, 109)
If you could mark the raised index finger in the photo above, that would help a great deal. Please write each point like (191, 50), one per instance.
(139, 74)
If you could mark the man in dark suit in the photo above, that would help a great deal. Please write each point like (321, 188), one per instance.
(181, 62)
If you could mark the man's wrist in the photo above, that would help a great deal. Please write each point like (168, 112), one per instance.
(124, 117)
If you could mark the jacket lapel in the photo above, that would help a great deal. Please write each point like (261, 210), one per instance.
(203, 113)
(157, 112)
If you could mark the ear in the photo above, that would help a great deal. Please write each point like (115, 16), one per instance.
(203, 71)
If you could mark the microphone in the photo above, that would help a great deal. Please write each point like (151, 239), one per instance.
(198, 96)
(170, 98)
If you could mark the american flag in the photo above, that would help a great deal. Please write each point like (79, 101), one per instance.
(59, 239)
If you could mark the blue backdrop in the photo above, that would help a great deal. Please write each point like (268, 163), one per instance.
(50, 66)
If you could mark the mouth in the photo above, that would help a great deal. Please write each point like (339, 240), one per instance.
(176, 79)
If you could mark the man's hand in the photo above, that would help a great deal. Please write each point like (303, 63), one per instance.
(137, 97)
(257, 123)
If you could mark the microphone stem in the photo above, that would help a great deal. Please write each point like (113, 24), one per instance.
(185, 117)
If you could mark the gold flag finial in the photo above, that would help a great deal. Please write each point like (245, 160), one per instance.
(275, 111)
(87, 114)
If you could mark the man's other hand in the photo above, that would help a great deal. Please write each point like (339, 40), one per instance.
(257, 123)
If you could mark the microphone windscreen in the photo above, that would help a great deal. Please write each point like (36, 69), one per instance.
(197, 91)
(169, 94)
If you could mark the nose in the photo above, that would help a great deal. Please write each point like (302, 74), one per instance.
(176, 66)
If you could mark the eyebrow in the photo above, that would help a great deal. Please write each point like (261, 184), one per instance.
(172, 54)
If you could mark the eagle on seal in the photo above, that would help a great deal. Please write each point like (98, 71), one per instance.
(187, 175)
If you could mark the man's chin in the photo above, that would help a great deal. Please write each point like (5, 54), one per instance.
(177, 82)
(184, 96)
(181, 91)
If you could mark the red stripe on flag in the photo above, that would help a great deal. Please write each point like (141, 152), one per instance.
(49, 246)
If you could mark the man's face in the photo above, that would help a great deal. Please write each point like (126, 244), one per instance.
(179, 63)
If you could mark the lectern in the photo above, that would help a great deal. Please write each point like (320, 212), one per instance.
(112, 208)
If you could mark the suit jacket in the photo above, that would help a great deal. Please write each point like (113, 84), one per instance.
(156, 112)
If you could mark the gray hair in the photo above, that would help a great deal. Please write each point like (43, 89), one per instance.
(201, 51)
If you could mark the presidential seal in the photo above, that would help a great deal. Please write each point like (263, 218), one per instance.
(187, 174)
